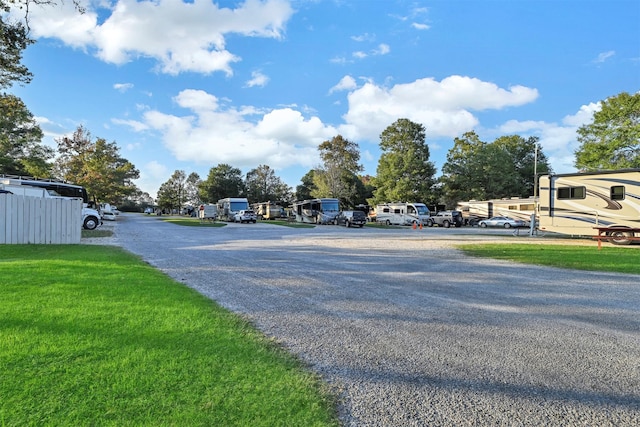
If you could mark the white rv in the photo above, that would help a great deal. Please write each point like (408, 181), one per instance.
(316, 211)
(230, 206)
(401, 213)
(91, 218)
(576, 203)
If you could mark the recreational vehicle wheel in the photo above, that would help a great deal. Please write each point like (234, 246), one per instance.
(387, 222)
(620, 237)
(90, 223)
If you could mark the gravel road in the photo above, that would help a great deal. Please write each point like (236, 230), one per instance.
(409, 332)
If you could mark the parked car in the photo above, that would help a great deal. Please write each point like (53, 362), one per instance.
(148, 211)
(446, 219)
(108, 216)
(245, 216)
(351, 218)
(502, 221)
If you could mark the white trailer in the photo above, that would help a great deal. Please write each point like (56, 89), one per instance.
(316, 211)
(578, 203)
(230, 206)
(401, 213)
(208, 212)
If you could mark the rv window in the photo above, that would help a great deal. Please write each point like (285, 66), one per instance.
(397, 211)
(571, 193)
(528, 207)
(617, 192)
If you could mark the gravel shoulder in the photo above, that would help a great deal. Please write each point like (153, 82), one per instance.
(407, 331)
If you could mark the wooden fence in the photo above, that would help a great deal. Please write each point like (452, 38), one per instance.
(26, 219)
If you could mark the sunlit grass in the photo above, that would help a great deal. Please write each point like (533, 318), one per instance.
(91, 335)
(193, 222)
(612, 259)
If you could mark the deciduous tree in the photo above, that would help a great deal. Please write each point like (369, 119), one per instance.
(404, 171)
(338, 175)
(97, 166)
(479, 170)
(262, 185)
(223, 181)
(21, 152)
(612, 139)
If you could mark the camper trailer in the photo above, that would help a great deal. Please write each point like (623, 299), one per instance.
(229, 207)
(475, 211)
(576, 203)
(269, 210)
(401, 213)
(316, 211)
(208, 212)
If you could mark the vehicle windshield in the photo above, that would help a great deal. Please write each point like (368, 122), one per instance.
(330, 206)
(239, 206)
(422, 210)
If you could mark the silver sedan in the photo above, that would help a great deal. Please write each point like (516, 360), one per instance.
(502, 221)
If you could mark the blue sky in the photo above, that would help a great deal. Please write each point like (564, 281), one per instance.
(189, 85)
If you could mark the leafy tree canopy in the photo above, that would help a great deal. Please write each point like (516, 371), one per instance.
(21, 152)
(479, 170)
(97, 166)
(404, 171)
(223, 181)
(13, 41)
(172, 193)
(612, 139)
(262, 185)
(337, 177)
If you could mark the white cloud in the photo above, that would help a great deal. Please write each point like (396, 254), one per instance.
(383, 49)
(181, 36)
(444, 108)
(419, 26)
(602, 57)
(558, 141)
(211, 134)
(123, 87)
(346, 83)
(257, 79)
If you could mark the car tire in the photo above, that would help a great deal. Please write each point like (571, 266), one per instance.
(335, 222)
(507, 225)
(90, 223)
(429, 223)
(446, 224)
(483, 225)
(387, 222)
(347, 224)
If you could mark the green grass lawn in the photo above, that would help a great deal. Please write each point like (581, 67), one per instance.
(193, 222)
(613, 259)
(91, 335)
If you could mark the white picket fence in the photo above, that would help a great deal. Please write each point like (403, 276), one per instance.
(39, 220)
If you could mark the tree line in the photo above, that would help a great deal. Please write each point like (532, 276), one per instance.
(474, 169)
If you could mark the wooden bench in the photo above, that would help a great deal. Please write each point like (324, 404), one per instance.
(606, 230)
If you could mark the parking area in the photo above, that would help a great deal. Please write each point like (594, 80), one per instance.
(408, 331)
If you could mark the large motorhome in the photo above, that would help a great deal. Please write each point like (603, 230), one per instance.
(475, 211)
(31, 187)
(269, 210)
(316, 211)
(575, 203)
(400, 213)
(228, 207)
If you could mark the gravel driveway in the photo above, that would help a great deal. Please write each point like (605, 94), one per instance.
(409, 332)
